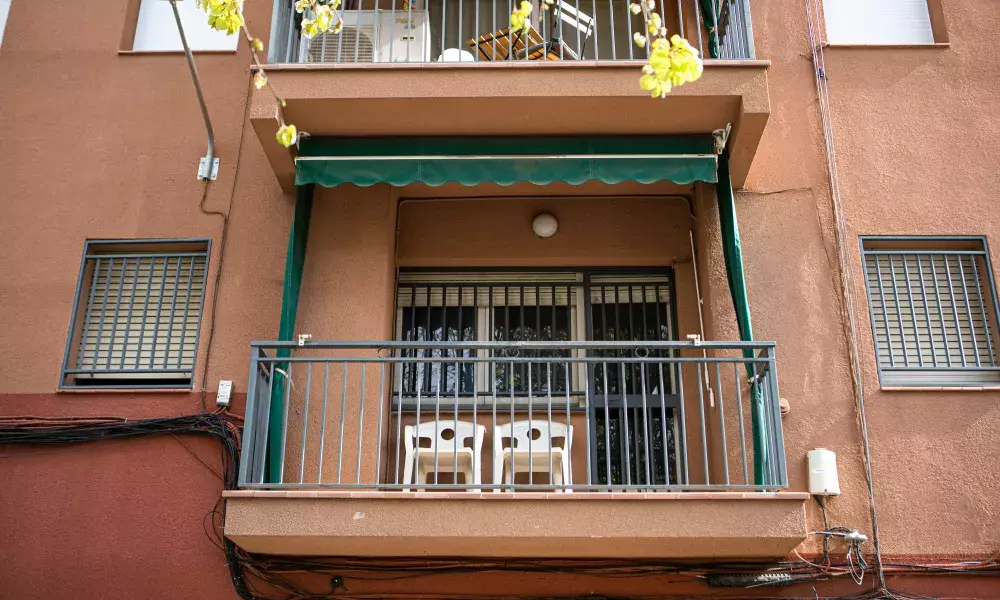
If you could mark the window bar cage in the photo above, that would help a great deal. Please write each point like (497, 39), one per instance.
(931, 315)
(137, 314)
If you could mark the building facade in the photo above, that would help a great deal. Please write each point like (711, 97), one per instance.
(513, 328)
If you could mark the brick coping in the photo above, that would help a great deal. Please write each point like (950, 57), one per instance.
(489, 495)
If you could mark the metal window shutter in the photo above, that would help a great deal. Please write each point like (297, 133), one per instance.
(142, 315)
(932, 312)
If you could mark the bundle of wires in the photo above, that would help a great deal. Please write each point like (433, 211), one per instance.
(62, 431)
(288, 575)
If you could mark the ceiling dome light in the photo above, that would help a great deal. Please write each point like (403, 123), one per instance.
(544, 225)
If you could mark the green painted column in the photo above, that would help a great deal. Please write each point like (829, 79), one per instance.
(295, 259)
(710, 15)
(733, 254)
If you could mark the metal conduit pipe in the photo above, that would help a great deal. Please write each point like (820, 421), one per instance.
(207, 169)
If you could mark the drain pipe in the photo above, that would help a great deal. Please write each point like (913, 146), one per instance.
(701, 318)
(208, 166)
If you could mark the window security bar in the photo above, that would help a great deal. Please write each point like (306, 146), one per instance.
(933, 313)
(137, 315)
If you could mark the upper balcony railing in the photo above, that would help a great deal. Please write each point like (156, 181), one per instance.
(512, 416)
(425, 31)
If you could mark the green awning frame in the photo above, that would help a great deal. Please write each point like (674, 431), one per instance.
(711, 10)
(435, 161)
(732, 253)
(295, 260)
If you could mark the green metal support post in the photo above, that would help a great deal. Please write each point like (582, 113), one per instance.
(733, 255)
(295, 259)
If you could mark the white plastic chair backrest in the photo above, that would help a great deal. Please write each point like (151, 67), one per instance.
(519, 432)
(438, 432)
(575, 18)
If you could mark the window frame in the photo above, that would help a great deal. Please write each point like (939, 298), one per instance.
(990, 306)
(67, 380)
(579, 305)
(586, 294)
(938, 31)
(131, 30)
(5, 6)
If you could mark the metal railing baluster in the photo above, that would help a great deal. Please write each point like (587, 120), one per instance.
(305, 424)
(343, 413)
(322, 425)
(739, 411)
(721, 403)
(361, 420)
(381, 401)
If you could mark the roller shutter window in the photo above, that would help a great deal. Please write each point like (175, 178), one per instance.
(878, 22)
(933, 311)
(138, 315)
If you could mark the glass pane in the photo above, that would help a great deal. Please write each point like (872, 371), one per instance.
(532, 324)
(438, 324)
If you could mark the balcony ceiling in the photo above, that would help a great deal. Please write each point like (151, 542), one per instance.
(518, 98)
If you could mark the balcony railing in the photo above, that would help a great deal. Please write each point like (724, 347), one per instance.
(513, 416)
(422, 31)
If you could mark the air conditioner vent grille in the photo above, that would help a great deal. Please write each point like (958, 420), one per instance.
(352, 44)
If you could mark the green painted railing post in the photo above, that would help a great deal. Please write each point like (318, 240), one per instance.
(733, 255)
(295, 259)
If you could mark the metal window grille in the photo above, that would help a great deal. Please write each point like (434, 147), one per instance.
(137, 315)
(933, 310)
(587, 305)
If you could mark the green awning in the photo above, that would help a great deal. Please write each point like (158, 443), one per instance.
(469, 161)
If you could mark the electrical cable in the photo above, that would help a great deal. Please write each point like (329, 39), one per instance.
(222, 243)
(847, 278)
(826, 527)
(251, 573)
(66, 431)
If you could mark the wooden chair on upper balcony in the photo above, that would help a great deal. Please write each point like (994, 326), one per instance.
(499, 45)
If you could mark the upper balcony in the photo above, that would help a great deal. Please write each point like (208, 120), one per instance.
(583, 449)
(451, 67)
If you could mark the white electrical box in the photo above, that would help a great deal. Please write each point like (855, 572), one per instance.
(225, 391)
(823, 478)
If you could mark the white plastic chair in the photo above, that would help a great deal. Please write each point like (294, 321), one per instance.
(523, 457)
(449, 452)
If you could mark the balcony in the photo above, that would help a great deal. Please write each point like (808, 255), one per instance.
(473, 31)
(451, 67)
(541, 448)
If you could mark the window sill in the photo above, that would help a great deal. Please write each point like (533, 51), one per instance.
(171, 52)
(122, 390)
(931, 46)
(993, 388)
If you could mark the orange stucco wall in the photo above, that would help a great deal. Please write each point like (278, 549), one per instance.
(102, 144)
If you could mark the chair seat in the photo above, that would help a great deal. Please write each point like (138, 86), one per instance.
(441, 452)
(537, 457)
(538, 460)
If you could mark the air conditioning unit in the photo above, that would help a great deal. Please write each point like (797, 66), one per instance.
(372, 36)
